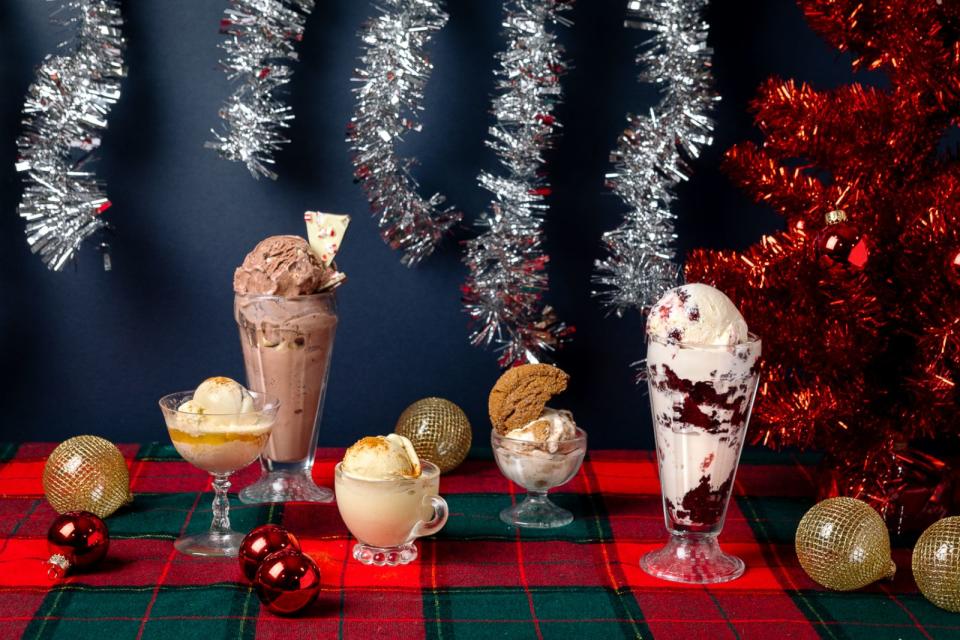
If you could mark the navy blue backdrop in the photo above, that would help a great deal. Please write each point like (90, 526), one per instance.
(89, 351)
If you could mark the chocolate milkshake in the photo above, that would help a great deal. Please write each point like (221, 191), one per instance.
(287, 344)
(702, 370)
(286, 311)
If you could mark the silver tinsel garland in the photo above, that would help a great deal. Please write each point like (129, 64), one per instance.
(64, 112)
(504, 291)
(653, 153)
(261, 38)
(393, 73)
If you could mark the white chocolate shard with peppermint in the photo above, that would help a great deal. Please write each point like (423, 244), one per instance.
(325, 233)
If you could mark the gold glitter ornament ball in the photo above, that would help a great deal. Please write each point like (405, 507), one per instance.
(87, 473)
(439, 430)
(936, 564)
(843, 544)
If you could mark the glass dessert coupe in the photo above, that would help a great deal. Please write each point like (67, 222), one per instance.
(287, 343)
(386, 516)
(538, 467)
(701, 397)
(218, 443)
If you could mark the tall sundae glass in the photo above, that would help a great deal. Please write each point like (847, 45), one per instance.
(702, 372)
(286, 311)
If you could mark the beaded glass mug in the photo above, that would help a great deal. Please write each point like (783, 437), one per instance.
(386, 516)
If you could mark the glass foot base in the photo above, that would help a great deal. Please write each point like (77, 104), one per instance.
(278, 486)
(536, 512)
(210, 544)
(693, 561)
(385, 556)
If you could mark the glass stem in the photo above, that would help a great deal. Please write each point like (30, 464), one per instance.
(221, 504)
(537, 496)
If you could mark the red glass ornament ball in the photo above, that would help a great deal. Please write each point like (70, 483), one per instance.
(260, 543)
(80, 536)
(842, 244)
(953, 267)
(287, 582)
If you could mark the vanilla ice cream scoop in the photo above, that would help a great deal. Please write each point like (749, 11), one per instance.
(382, 458)
(697, 314)
(218, 404)
(219, 395)
(553, 425)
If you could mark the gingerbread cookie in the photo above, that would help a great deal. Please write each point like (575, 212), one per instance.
(520, 394)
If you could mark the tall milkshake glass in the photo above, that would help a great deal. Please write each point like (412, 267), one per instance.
(701, 397)
(287, 343)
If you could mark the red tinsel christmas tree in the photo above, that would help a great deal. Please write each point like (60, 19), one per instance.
(860, 318)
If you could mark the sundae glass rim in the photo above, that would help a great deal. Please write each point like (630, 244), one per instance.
(581, 436)
(265, 405)
(427, 470)
(752, 339)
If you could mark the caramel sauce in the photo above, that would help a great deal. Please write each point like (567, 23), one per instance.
(216, 438)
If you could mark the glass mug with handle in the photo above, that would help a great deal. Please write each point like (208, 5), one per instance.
(386, 516)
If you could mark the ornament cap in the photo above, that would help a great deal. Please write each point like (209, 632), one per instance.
(57, 566)
(836, 216)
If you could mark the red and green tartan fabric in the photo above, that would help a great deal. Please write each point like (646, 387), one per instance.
(477, 579)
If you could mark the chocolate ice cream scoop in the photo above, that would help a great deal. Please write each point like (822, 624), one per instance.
(280, 266)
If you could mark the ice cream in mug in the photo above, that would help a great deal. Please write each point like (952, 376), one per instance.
(387, 497)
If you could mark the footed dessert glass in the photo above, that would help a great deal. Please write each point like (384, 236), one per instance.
(287, 344)
(219, 444)
(701, 397)
(386, 516)
(538, 467)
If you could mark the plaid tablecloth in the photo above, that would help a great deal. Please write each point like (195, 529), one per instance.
(477, 579)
